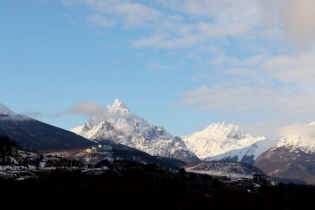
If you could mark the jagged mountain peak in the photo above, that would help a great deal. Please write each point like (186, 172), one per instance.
(120, 125)
(117, 114)
(219, 138)
(225, 129)
(118, 105)
(220, 131)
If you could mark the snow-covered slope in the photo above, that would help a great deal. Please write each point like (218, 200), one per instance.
(245, 155)
(218, 139)
(119, 124)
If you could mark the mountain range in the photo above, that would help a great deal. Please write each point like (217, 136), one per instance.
(291, 157)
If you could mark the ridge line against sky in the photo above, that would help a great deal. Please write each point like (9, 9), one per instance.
(182, 64)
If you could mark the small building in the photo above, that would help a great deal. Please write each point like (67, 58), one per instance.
(273, 183)
(99, 148)
(10, 150)
(259, 179)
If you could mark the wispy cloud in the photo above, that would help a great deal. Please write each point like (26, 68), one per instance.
(157, 66)
(100, 20)
(89, 108)
(65, 15)
(35, 114)
(170, 29)
(237, 100)
(192, 22)
(141, 54)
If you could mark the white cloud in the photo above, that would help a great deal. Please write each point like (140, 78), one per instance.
(190, 22)
(141, 54)
(35, 114)
(307, 132)
(216, 19)
(65, 15)
(201, 76)
(85, 108)
(219, 10)
(136, 14)
(150, 41)
(132, 14)
(100, 20)
(157, 66)
(295, 69)
(297, 18)
(242, 99)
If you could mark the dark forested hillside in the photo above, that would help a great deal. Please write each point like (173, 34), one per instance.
(36, 135)
(133, 185)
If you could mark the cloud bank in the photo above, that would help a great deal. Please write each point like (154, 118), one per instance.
(307, 132)
(297, 18)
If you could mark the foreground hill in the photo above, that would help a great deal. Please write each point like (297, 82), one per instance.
(37, 135)
(292, 159)
(120, 125)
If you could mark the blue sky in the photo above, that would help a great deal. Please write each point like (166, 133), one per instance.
(183, 64)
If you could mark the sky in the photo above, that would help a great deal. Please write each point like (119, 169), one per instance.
(182, 64)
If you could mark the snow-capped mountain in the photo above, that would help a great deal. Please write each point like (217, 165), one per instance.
(36, 135)
(292, 158)
(117, 123)
(245, 155)
(218, 139)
